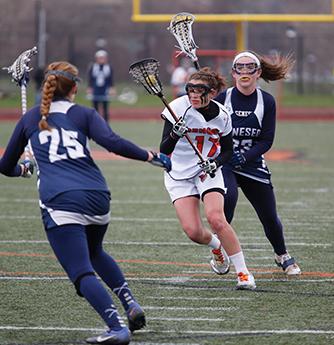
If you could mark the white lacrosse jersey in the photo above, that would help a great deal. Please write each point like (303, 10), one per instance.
(204, 134)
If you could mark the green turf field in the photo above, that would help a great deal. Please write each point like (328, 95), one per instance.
(185, 302)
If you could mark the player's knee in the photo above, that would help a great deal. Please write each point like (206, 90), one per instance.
(77, 282)
(194, 233)
(217, 221)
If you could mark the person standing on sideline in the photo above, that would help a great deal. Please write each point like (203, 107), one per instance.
(100, 83)
(253, 113)
(74, 196)
(209, 127)
(180, 77)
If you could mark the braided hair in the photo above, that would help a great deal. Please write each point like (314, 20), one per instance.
(60, 78)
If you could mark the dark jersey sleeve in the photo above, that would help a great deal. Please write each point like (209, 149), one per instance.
(168, 142)
(13, 152)
(226, 151)
(97, 129)
(266, 138)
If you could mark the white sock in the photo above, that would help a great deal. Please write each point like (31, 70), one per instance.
(214, 243)
(238, 261)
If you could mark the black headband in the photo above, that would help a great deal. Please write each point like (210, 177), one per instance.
(65, 74)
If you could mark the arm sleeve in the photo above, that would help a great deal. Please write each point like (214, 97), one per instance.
(168, 142)
(102, 134)
(266, 138)
(13, 152)
(226, 144)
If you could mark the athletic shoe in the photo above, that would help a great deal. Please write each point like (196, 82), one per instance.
(110, 337)
(220, 262)
(288, 264)
(136, 317)
(246, 281)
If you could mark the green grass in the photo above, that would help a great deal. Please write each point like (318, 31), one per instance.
(208, 310)
(320, 97)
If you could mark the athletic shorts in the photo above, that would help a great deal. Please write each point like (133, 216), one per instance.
(196, 186)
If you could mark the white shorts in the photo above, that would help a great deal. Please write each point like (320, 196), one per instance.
(195, 186)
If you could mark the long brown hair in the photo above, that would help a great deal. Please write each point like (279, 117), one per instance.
(215, 80)
(60, 77)
(275, 68)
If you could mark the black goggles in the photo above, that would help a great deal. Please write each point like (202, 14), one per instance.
(247, 68)
(199, 89)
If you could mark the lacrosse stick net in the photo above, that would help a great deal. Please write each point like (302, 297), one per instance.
(19, 71)
(181, 27)
(146, 72)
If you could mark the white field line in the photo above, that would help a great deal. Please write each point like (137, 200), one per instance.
(191, 308)
(243, 332)
(138, 243)
(306, 225)
(149, 202)
(172, 280)
(201, 298)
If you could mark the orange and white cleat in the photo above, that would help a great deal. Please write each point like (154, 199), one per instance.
(220, 262)
(246, 281)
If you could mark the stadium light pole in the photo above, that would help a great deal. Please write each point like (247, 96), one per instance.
(293, 34)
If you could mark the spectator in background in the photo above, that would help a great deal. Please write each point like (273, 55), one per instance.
(100, 83)
(180, 77)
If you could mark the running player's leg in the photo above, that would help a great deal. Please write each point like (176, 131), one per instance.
(262, 198)
(110, 272)
(231, 195)
(214, 206)
(69, 244)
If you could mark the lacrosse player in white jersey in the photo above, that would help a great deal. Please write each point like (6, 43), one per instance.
(209, 126)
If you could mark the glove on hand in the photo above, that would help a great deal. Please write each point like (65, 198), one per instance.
(209, 166)
(27, 168)
(237, 160)
(180, 128)
(161, 160)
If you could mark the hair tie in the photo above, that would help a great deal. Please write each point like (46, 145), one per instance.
(64, 74)
(44, 118)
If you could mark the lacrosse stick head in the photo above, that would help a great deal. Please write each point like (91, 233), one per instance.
(146, 72)
(181, 27)
(19, 70)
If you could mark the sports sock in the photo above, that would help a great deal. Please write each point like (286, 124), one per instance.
(107, 268)
(214, 243)
(101, 301)
(124, 294)
(238, 261)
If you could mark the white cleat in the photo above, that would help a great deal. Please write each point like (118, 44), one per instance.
(288, 264)
(220, 262)
(246, 281)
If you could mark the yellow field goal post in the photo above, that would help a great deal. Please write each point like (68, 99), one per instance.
(240, 19)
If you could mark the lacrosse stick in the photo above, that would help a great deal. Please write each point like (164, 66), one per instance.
(146, 73)
(180, 27)
(19, 72)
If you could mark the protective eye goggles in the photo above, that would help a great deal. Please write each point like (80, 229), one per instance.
(199, 89)
(247, 68)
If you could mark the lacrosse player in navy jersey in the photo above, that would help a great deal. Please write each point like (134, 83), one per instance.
(253, 114)
(209, 127)
(74, 196)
